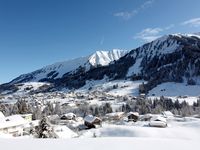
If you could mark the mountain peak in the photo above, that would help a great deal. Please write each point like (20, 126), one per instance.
(103, 58)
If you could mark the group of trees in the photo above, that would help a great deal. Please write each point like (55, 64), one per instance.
(25, 107)
(95, 110)
(158, 105)
(140, 105)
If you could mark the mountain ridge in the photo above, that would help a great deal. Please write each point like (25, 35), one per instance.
(171, 58)
(58, 69)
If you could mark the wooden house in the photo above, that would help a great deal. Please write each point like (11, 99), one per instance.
(92, 121)
(133, 116)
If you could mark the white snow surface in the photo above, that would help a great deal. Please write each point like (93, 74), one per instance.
(32, 85)
(182, 134)
(13, 120)
(105, 57)
(185, 129)
(188, 35)
(135, 69)
(175, 89)
(124, 87)
(180, 91)
(99, 144)
(64, 132)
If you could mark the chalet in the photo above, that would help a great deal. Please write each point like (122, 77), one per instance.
(92, 121)
(68, 116)
(133, 116)
(13, 125)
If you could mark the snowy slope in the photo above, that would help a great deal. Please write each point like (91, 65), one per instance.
(176, 91)
(57, 70)
(158, 48)
(173, 89)
(122, 87)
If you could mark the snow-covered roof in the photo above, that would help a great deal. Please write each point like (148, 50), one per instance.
(69, 115)
(26, 115)
(133, 113)
(10, 121)
(114, 114)
(91, 118)
(63, 132)
(158, 118)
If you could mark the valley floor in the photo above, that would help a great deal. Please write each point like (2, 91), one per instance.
(180, 134)
(100, 143)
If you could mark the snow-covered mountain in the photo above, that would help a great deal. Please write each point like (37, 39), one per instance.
(57, 70)
(103, 58)
(171, 58)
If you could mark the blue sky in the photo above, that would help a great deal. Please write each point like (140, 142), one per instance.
(35, 33)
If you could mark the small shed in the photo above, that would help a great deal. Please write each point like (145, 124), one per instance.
(133, 116)
(91, 121)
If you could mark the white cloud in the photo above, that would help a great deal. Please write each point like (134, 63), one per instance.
(169, 27)
(128, 15)
(195, 22)
(150, 34)
(146, 4)
(124, 15)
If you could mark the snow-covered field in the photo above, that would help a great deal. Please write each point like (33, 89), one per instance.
(172, 89)
(184, 129)
(181, 133)
(180, 91)
(123, 87)
(99, 144)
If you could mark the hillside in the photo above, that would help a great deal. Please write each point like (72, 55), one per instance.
(171, 58)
